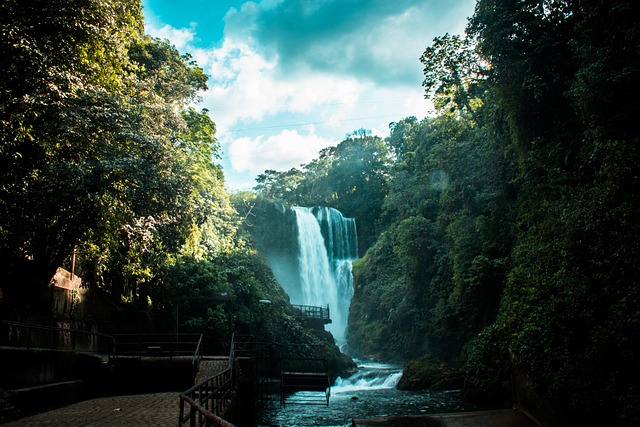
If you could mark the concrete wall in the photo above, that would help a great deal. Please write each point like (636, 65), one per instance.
(26, 368)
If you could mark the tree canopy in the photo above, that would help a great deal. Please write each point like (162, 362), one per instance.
(98, 148)
(499, 234)
(502, 231)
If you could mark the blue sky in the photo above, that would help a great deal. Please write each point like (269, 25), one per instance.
(290, 77)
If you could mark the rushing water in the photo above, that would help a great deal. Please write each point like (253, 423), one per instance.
(327, 245)
(369, 393)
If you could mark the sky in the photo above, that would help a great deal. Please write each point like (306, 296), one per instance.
(288, 78)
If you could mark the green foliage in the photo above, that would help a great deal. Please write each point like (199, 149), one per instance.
(238, 280)
(95, 152)
(453, 73)
(351, 177)
(428, 373)
(381, 317)
(208, 206)
(281, 186)
(8, 412)
(66, 120)
(439, 266)
(268, 224)
(566, 313)
(488, 371)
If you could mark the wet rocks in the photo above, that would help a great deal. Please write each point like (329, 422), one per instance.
(427, 372)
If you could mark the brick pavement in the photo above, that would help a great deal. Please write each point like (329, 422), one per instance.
(210, 366)
(157, 409)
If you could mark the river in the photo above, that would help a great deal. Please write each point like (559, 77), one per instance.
(369, 393)
(327, 244)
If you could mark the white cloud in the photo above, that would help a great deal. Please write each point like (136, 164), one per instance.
(246, 88)
(254, 91)
(280, 152)
(181, 38)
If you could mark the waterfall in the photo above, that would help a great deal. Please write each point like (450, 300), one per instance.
(327, 244)
(370, 376)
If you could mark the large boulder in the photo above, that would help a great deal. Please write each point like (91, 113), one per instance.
(428, 373)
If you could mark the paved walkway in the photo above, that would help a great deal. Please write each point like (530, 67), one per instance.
(210, 366)
(158, 409)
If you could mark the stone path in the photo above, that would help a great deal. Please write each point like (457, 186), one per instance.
(210, 366)
(158, 409)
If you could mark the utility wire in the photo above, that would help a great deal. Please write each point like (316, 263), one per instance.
(299, 124)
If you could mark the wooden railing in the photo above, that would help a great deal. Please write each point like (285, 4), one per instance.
(206, 403)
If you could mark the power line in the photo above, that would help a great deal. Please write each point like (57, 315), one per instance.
(289, 104)
(300, 124)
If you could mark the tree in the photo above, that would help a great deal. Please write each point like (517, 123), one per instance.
(283, 186)
(62, 64)
(453, 72)
(88, 143)
(577, 172)
(400, 139)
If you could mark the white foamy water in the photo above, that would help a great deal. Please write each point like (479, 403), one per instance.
(369, 393)
(327, 244)
(370, 376)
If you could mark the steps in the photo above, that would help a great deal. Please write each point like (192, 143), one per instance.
(210, 366)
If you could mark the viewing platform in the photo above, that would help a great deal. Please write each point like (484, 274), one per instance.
(312, 312)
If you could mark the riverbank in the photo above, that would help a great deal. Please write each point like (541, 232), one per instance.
(494, 418)
(368, 395)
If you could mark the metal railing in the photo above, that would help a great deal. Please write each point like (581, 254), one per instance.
(207, 402)
(304, 375)
(312, 312)
(157, 345)
(242, 345)
(32, 336)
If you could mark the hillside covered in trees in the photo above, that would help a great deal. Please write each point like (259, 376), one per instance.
(108, 170)
(499, 235)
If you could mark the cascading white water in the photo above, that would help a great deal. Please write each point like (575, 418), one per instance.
(327, 245)
(370, 376)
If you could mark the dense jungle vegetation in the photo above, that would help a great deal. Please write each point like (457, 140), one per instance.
(499, 234)
(103, 156)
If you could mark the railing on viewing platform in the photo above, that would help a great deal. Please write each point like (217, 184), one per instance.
(212, 400)
(311, 312)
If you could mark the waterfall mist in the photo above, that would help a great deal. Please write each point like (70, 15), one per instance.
(327, 245)
(318, 271)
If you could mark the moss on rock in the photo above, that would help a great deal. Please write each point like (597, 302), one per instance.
(426, 372)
